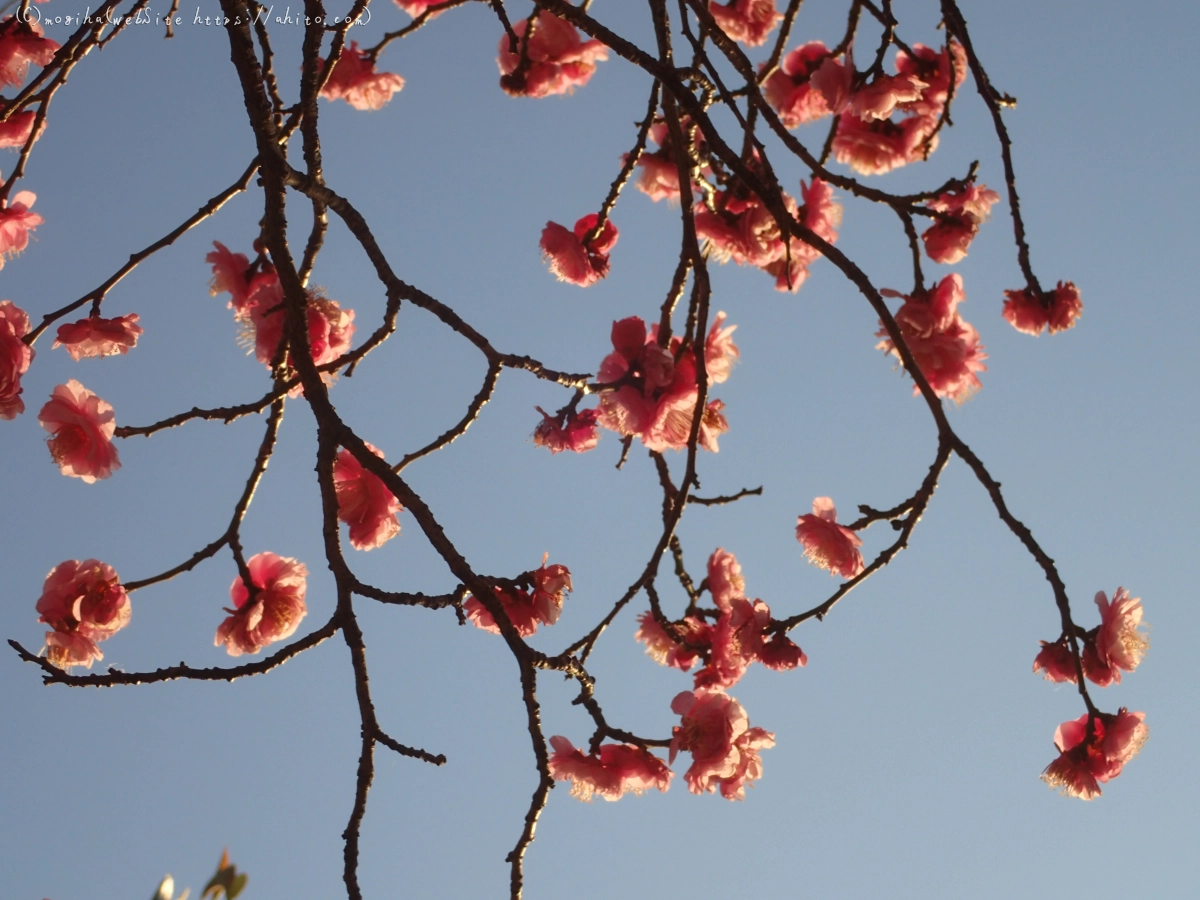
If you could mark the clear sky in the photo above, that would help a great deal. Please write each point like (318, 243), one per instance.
(908, 751)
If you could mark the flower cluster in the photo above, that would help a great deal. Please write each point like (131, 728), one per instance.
(275, 611)
(613, 771)
(946, 347)
(659, 179)
(1093, 749)
(570, 430)
(1117, 644)
(808, 85)
(364, 502)
(552, 60)
(740, 227)
(575, 256)
(355, 80)
(84, 603)
(524, 609)
(1059, 309)
(15, 357)
(947, 240)
(827, 544)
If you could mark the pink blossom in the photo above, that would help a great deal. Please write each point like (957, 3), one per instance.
(276, 611)
(947, 240)
(932, 67)
(84, 603)
(22, 43)
(1084, 761)
(656, 399)
(725, 581)
(16, 221)
(557, 60)
(15, 132)
(946, 348)
(663, 649)
(330, 329)
(748, 21)
(736, 642)
(1059, 309)
(660, 173)
(572, 256)
(1120, 643)
(713, 424)
(524, 611)
(1094, 669)
(577, 434)
(827, 544)
(1056, 662)
(82, 427)
(720, 352)
(724, 748)
(417, 8)
(880, 98)
(247, 286)
(877, 147)
(616, 770)
(781, 653)
(549, 583)
(15, 357)
(95, 336)
(792, 89)
(364, 503)
(355, 80)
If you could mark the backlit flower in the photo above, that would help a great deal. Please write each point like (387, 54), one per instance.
(1120, 642)
(95, 336)
(615, 770)
(577, 434)
(664, 650)
(947, 240)
(355, 80)
(725, 581)
(15, 132)
(16, 221)
(81, 427)
(556, 59)
(84, 603)
(792, 90)
(1059, 309)
(277, 608)
(1084, 761)
(573, 256)
(827, 544)
(364, 502)
(15, 357)
(747, 21)
(716, 731)
(22, 43)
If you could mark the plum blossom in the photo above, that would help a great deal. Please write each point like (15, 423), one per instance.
(879, 146)
(1120, 643)
(659, 179)
(355, 80)
(16, 221)
(417, 8)
(82, 428)
(1056, 662)
(15, 357)
(720, 352)
(933, 68)
(577, 433)
(1084, 762)
(1059, 309)
(794, 90)
(880, 98)
(617, 769)
(15, 132)
(946, 348)
(525, 612)
(84, 603)
(747, 21)
(725, 581)
(716, 731)
(656, 399)
(827, 544)
(364, 502)
(742, 229)
(575, 258)
(664, 650)
(556, 60)
(246, 285)
(99, 337)
(22, 43)
(947, 240)
(330, 329)
(277, 608)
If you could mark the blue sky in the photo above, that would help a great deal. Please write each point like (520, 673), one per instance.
(907, 751)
